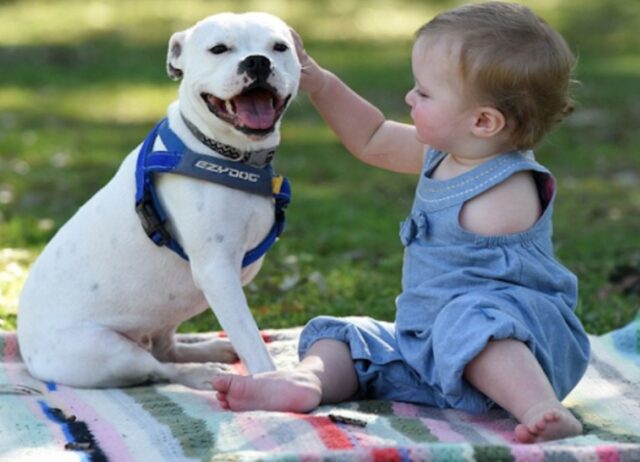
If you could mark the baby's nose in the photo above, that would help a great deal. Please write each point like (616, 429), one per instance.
(409, 98)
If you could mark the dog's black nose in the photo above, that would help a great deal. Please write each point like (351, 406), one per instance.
(256, 66)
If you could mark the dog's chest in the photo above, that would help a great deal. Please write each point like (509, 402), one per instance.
(208, 215)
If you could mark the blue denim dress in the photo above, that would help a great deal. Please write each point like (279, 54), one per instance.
(461, 290)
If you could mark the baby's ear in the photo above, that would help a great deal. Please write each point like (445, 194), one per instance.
(488, 122)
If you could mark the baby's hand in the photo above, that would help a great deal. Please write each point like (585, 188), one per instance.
(312, 76)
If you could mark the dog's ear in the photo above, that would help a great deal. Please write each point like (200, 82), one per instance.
(174, 55)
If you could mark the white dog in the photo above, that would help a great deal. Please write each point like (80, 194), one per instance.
(103, 300)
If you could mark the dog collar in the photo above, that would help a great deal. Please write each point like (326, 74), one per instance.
(178, 159)
(258, 158)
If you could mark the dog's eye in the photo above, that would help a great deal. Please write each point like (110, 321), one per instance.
(280, 47)
(219, 49)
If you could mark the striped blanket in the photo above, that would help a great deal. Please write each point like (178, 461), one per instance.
(50, 422)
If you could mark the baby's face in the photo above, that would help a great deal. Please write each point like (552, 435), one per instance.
(439, 109)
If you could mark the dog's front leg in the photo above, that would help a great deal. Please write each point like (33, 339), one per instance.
(223, 290)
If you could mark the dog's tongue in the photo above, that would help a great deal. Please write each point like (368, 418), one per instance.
(254, 109)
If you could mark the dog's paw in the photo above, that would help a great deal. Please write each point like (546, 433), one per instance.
(199, 375)
(222, 351)
(218, 350)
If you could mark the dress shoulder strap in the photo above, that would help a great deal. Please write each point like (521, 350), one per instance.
(432, 158)
(438, 194)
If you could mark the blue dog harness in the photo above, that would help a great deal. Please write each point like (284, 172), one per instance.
(178, 159)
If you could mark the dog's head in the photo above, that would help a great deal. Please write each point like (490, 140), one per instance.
(239, 72)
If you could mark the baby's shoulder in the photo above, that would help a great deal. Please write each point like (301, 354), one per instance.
(510, 207)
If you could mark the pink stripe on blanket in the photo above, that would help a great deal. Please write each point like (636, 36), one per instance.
(405, 409)
(255, 432)
(443, 431)
(527, 453)
(608, 453)
(496, 427)
(110, 439)
(439, 428)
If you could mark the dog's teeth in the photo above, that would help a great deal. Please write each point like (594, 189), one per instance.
(229, 107)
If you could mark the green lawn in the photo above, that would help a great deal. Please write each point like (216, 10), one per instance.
(82, 83)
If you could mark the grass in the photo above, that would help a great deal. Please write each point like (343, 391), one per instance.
(83, 82)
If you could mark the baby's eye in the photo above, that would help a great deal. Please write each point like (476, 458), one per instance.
(420, 93)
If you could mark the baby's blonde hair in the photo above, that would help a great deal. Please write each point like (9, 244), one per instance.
(512, 60)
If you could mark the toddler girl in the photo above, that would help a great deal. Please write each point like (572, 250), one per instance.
(486, 314)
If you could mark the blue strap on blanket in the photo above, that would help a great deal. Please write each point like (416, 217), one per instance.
(178, 159)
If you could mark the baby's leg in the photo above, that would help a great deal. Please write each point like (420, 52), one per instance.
(325, 375)
(508, 373)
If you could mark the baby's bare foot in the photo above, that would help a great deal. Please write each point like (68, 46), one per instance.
(547, 421)
(288, 391)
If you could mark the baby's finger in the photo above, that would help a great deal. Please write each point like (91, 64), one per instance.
(302, 54)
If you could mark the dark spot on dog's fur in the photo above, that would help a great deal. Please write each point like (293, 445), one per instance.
(200, 206)
(94, 287)
(219, 238)
(172, 297)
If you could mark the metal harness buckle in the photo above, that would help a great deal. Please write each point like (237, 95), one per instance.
(151, 222)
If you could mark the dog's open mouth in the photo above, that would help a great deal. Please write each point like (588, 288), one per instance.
(254, 111)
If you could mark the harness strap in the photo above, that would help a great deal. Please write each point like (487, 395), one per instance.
(181, 160)
(178, 159)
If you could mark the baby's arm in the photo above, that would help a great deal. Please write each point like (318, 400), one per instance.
(359, 125)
